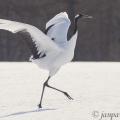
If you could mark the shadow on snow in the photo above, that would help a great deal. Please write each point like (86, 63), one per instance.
(26, 112)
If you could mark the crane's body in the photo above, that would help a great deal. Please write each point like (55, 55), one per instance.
(58, 31)
(50, 50)
(55, 59)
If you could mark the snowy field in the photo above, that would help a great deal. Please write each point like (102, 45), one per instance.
(94, 86)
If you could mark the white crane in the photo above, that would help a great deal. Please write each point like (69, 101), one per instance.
(50, 50)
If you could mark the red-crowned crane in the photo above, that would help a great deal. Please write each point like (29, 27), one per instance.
(50, 49)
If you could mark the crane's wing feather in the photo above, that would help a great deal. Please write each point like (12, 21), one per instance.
(38, 43)
(57, 27)
(30, 43)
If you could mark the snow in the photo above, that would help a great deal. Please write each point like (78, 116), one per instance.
(94, 86)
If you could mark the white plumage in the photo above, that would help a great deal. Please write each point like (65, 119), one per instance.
(54, 50)
(59, 31)
(50, 49)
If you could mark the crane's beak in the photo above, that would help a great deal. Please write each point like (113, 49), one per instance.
(87, 16)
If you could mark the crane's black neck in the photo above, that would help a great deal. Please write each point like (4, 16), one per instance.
(75, 25)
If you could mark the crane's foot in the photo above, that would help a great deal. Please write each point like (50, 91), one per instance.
(39, 106)
(68, 96)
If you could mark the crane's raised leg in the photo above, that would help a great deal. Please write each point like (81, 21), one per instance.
(46, 85)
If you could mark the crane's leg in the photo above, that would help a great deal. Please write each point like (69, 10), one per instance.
(40, 105)
(52, 72)
(46, 85)
(65, 93)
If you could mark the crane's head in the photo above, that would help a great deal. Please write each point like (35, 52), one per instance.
(80, 16)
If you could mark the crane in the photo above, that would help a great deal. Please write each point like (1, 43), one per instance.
(50, 49)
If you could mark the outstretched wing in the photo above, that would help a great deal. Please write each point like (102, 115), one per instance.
(38, 43)
(57, 28)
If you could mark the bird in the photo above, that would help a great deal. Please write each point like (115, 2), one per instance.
(50, 49)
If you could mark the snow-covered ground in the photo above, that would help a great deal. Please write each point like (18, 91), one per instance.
(94, 86)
